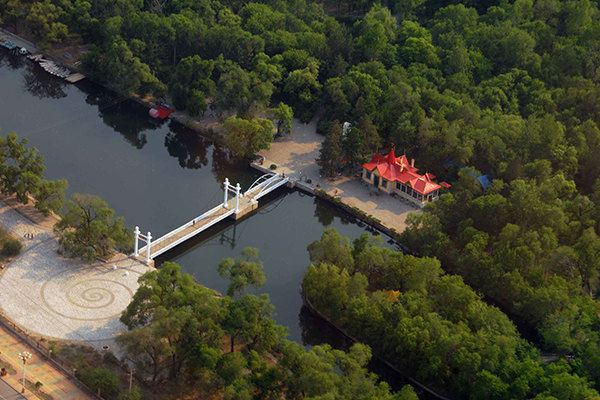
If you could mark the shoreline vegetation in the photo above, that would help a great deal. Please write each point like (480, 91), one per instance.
(407, 309)
(505, 90)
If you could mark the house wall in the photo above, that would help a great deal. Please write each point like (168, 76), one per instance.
(404, 191)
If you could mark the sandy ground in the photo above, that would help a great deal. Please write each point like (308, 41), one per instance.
(296, 154)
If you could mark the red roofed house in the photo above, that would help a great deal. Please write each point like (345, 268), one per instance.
(395, 175)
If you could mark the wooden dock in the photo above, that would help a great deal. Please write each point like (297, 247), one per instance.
(74, 78)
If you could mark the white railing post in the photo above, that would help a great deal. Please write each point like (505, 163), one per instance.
(237, 197)
(136, 232)
(225, 192)
(148, 243)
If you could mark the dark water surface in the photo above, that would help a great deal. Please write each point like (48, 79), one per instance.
(159, 175)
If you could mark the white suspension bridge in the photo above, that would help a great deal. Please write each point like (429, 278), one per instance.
(240, 204)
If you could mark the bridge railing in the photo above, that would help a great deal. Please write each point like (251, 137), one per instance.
(182, 227)
(258, 187)
(191, 234)
(269, 185)
(259, 181)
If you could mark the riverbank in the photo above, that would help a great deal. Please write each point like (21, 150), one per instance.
(425, 391)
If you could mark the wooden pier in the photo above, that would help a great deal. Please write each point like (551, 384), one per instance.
(237, 207)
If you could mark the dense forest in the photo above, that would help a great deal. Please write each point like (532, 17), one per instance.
(429, 324)
(509, 89)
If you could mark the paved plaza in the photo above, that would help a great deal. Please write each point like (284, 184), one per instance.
(57, 297)
(295, 155)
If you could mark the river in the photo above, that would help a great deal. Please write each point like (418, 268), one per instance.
(158, 175)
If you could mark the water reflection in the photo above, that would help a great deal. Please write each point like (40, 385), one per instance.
(127, 117)
(188, 147)
(48, 87)
(11, 60)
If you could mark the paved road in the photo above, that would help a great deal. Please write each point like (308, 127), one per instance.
(7, 392)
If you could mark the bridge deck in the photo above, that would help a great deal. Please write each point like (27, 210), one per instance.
(211, 217)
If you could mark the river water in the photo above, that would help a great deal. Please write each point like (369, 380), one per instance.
(159, 175)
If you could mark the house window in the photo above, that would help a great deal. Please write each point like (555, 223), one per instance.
(398, 185)
(384, 183)
(369, 175)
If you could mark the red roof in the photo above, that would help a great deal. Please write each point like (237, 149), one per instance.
(398, 169)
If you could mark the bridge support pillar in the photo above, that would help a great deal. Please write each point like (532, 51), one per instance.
(149, 242)
(238, 189)
(225, 192)
(136, 233)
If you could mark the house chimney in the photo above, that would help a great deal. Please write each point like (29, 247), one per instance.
(412, 162)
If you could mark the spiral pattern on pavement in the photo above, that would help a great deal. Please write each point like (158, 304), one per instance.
(88, 298)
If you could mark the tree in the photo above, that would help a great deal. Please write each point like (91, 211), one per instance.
(243, 271)
(101, 380)
(331, 153)
(245, 138)
(191, 83)
(174, 325)
(43, 18)
(284, 116)
(21, 174)
(89, 229)
(50, 196)
(134, 394)
(302, 90)
(250, 319)
(116, 65)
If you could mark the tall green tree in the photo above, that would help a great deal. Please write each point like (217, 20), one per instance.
(245, 138)
(244, 271)
(331, 153)
(284, 116)
(88, 229)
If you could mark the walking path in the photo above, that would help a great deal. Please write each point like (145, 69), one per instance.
(56, 297)
(295, 155)
(54, 382)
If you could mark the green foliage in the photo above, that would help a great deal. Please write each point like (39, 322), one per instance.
(243, 271)
(245, 138)
(250, 319)
(43, 19)
(191, 84)
(21, 175)
(134, 394)
(323, 372)
(428, 324)
(176, 329)
(117, 66)
(174, 324)
(506, 88)
(331, 153)
(100, 380)
(11, 247)
(89, 229)
(284, 115)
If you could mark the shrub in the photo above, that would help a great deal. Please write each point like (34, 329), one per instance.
(11, 247)
(273, 166)
(101, 380)
(134, 394)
